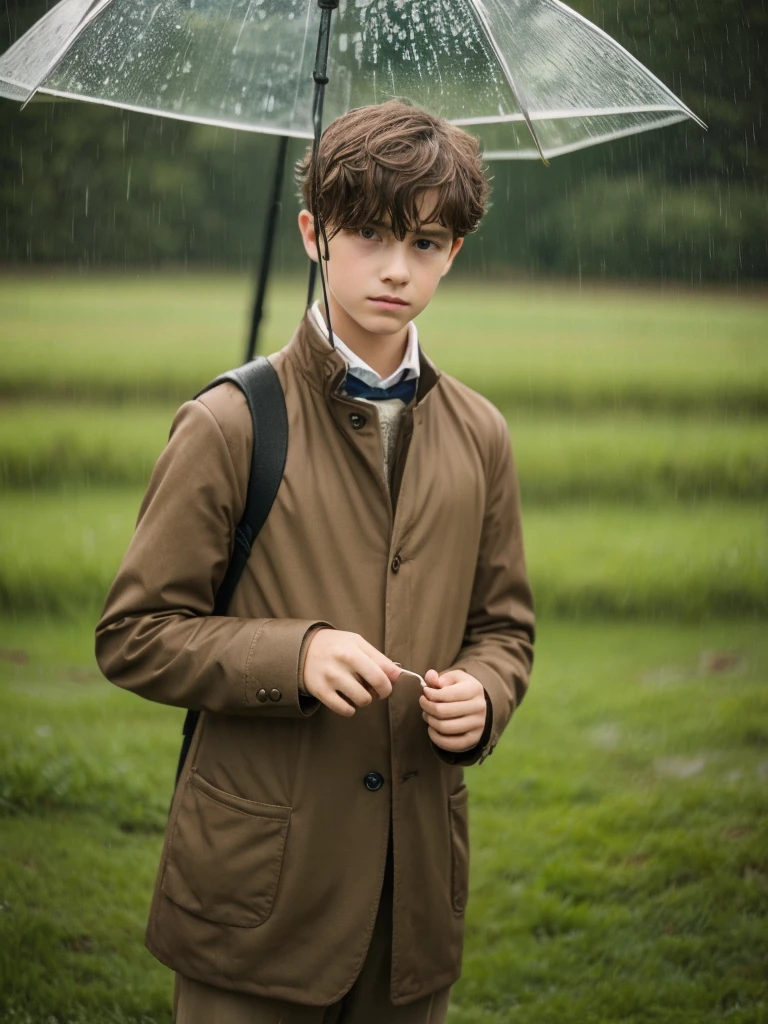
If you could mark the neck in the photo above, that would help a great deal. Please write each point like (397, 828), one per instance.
(382, 352)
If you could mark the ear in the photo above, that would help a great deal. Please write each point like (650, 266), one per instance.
(308, 237)
(457, 244)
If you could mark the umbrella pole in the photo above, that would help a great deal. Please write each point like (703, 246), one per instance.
(320, 77)
(270, 231)
(311, 282)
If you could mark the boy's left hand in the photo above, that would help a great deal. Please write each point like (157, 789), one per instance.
(454, 709)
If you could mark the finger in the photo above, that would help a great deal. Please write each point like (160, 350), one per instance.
(463, 691)
(346, 684)
(455, 744)
(456, 675)
(453, 726)
(369, 672)
(389, 667)
(337, 704)
(452, 709)
(431, 678)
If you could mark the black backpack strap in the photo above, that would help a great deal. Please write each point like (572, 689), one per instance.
(264, 394)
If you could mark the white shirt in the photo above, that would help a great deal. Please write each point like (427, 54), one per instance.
(390, 410)
(361, 369)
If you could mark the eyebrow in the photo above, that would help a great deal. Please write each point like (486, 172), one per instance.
(441, 233)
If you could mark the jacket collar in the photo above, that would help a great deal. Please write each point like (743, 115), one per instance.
(325, 368)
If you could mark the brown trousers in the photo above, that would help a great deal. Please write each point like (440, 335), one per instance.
(367, 1002)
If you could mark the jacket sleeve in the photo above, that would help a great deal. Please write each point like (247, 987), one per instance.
(157, 635)
(498, 641)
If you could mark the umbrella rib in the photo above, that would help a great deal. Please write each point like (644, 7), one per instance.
(617, 46)
(559, 115)
(595, 140)
(482, 17)
(214, 122)
(97, 6)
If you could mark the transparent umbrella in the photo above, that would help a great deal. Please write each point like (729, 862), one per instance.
(532, 78)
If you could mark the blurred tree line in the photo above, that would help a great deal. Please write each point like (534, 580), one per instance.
(94, 186)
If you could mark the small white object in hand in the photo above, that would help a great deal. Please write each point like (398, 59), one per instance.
(413, 675)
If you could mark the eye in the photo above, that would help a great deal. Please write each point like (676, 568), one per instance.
(367, 233)
(425, 244)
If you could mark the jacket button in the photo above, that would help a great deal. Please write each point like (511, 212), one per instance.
(373, 781)
(262, 696)
(396, 563)
(357, 420)
(275, 695)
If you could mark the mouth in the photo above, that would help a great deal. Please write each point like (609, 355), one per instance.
(388, 302)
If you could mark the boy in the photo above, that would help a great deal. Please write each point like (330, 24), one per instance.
(315, 866)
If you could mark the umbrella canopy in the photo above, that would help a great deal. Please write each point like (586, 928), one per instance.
(530, 77)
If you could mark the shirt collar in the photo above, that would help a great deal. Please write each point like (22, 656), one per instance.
(407, 370)
(325, 369)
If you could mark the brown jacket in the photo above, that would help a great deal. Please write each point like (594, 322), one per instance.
(275, 851)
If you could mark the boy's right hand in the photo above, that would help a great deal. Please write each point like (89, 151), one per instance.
(344, 672)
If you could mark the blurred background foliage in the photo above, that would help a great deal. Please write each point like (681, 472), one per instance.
(96, 187)
(620, 833)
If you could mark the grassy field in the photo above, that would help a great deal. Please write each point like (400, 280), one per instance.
(619, 833)
(59, 551)
(620, 872)
(560, 457)
(529, 347)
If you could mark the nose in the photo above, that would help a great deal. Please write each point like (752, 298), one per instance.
(395, 266)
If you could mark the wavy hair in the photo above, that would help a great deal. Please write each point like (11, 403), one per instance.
(375, 163)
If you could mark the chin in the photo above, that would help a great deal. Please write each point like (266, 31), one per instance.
(377, 322)
(386, 330)
(384, 323)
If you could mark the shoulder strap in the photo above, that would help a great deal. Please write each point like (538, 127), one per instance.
(261, 386)
(264, 394)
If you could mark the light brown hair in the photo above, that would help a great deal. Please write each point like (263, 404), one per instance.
(375, 163)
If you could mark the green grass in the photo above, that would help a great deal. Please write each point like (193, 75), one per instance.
(559, 457)
(620, 873)
(639, 457)
(59, 552)
(657, 563)
(525, 346)
(619, 869)
(53, 445)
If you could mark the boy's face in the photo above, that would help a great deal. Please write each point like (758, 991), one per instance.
(377, 284)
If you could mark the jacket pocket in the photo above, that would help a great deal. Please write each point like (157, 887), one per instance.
(459, 810)
(225, 855)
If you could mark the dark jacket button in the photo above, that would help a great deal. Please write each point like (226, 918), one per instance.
(275, 695)
(396, 563)
(262, 696)
(357, 420)
(373, 781)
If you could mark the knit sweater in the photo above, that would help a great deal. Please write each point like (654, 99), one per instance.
(390, 418)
